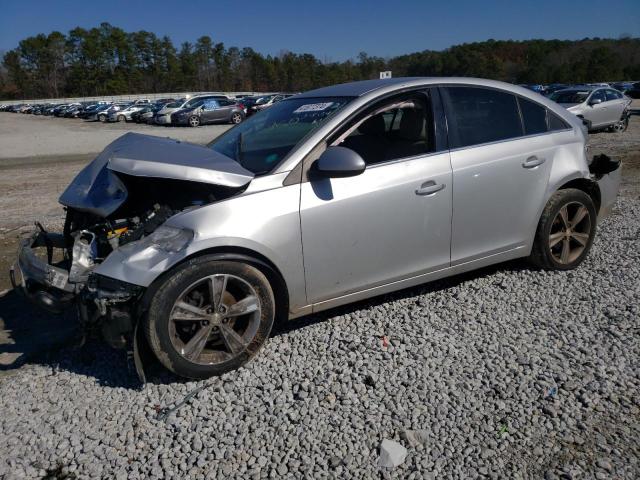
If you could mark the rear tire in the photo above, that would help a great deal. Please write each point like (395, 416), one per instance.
(102, 118)
(122, 118)
(565, 231)
(200, 341)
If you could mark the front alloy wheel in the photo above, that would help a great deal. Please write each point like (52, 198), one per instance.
(210, 317)
(194, 121)
(622, 124)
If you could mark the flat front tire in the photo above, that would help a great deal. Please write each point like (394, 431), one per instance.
(210, 317)
(565, 231)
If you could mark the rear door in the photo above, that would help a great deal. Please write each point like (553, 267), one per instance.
(209, 111)
(500, 172)
(391, 222)
(617, 104)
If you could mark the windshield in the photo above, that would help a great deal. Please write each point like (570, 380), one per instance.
(569, 96)
(262, 141)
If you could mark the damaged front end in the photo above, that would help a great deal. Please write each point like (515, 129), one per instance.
(123, 197)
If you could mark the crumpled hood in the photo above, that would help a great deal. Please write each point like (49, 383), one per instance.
(98, 190)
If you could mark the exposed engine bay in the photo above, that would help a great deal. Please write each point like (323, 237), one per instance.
(125, 195)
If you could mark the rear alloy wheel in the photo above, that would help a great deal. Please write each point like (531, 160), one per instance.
(102, 118)
(194, 121)
(210, 317)
(565, 231)
(122, 118)
(236, 118)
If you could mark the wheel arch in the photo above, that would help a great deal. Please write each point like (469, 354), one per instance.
(588, 186)
(237, 254)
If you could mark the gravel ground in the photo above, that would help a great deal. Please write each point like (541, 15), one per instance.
(507, 372)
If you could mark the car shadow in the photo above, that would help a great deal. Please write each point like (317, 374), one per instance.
(31, 336)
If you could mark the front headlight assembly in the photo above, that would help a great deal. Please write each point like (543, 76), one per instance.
(169, 239)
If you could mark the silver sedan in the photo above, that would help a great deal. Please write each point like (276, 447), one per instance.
(325, 198)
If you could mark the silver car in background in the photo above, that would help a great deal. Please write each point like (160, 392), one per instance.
(328, 197)
(163, 116)
(599, 107)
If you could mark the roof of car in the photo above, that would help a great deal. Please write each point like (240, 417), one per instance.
(360, 88)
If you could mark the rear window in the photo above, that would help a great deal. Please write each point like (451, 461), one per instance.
(534, 117)
(481, 115)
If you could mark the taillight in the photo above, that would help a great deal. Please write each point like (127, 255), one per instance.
(240, 106)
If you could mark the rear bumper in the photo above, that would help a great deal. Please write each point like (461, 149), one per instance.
(607, 172)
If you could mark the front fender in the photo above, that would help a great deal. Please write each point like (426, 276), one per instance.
(265, 222)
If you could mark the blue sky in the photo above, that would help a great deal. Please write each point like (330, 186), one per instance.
(330, 29)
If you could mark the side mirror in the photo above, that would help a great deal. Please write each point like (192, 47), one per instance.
(339, 162)
(595, 101)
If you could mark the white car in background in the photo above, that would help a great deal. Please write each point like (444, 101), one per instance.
(599, 108)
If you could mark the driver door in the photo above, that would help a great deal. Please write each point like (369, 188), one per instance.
(391, 222)
(599, 112)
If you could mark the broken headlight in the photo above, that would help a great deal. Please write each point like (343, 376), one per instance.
(169, 239)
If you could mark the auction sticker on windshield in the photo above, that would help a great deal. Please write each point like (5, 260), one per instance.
(313, 107)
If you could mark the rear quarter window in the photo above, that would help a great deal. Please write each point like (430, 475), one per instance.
(481, 115)
(534, 117)
(555, 122)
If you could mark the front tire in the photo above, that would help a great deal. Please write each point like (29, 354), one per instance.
(102, 118)
(122, 118)
(565, 231)
(210, 317)
(194, 121)
(236, 118)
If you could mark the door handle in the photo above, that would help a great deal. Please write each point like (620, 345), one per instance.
(429, 188)
(533, 162)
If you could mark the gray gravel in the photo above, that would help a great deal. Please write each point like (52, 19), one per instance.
(506, 372)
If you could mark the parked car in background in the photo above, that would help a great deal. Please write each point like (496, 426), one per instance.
(554, 87)
(534, 87)
(600, 108)
(215, 243)
(146, 114)
(99, 113)
(104, 115)
(163, 117)
(209, 111)
(633, 91)
(124, 114)
(266, 101)
(622, 86)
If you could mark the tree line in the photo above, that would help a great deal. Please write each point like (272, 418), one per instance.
(106, 60)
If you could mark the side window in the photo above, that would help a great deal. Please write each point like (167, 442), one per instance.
(597, 95)
(210, 105)
(612, 95)
(555, 122)
(481, 115)
(396, 129)
(534, 116)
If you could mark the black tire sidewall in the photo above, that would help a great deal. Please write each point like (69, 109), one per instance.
(558, 200)
(157, 318)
